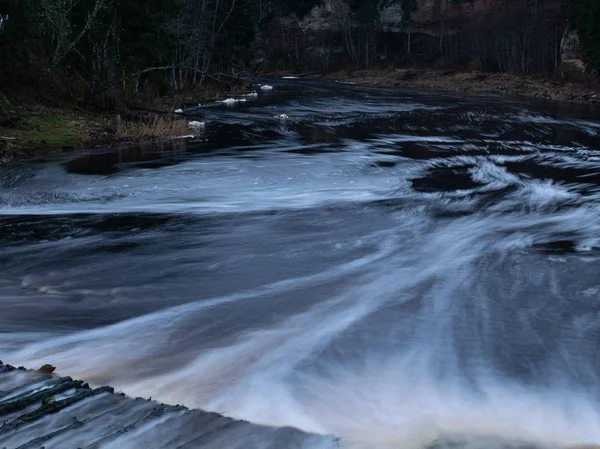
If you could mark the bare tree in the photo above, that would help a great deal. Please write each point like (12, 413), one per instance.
(56, 17)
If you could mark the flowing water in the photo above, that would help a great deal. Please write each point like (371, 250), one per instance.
(395, 268)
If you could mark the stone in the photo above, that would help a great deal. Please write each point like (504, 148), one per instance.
(572, 67)
(391, 16)
(570, 45)
(47, 369)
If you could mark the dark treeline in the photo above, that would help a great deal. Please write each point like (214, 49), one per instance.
(103, 51)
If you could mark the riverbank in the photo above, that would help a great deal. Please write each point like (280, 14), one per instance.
(28, 127)
(48, 130)
(39, 129)
(471, 82)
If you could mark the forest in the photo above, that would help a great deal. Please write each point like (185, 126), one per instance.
(101, 52)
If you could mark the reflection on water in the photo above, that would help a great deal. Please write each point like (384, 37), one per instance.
(395, 268)
(148, 155)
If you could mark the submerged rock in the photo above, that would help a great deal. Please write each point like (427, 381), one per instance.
(196, 126)
(233, 100)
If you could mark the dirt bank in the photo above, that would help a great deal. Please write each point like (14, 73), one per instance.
(472, 82)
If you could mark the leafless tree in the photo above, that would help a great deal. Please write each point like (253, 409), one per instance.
(55, 14)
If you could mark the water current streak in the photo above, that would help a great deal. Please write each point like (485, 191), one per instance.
(395, 268)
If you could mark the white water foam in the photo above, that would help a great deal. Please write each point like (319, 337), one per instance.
(312, 371)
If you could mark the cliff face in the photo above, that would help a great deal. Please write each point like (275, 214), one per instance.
(572, 66)
(570, 45)
(431, 16)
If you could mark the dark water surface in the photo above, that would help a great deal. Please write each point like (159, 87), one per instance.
(392, 267)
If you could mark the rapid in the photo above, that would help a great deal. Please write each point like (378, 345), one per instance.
(396, 268)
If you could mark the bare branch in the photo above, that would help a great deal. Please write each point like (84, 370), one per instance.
(63, 50)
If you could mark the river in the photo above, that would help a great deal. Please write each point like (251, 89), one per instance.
(399, 269)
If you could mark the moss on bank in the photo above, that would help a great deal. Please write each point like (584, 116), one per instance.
(38, 134)
(53, 131)
(37, 129)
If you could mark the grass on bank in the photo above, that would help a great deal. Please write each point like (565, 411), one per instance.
(150, 128)
(53, 131)
(44, 130)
